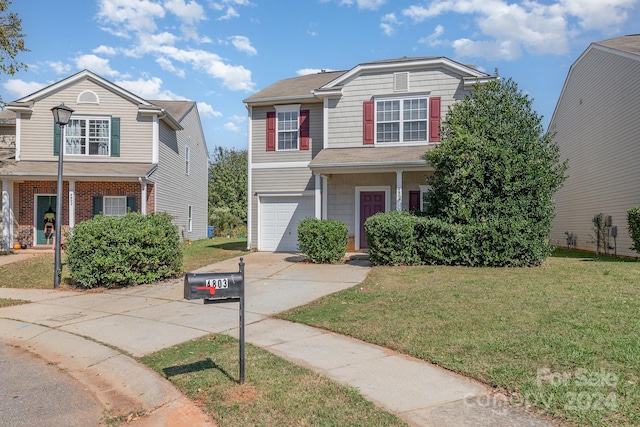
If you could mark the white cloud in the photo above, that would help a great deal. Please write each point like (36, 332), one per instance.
(307, 71)
(129, 15)
(231, 13)
(434, 38)
(167, 65)
(188, 12)
(59, 68)
(243, 44)
(387, 23)
(96, 64)
(148, 88)
(507, 29)
(231, 127)
(104, 50)
(19, 88)
(364, 4)
(207, 110)
(239, 119)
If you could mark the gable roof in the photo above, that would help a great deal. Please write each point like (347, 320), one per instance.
(313, 86)
(628, 44)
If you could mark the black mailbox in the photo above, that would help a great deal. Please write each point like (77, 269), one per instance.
(220, 287)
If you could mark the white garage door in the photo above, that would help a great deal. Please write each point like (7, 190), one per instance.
(279, 218)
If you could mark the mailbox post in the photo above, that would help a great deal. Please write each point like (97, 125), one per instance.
(216, 288)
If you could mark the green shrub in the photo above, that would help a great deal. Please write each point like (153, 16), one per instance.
(399, 238)
(123, 251)
(391, 238)
(225, 222)
(633, 224)
(322, 241)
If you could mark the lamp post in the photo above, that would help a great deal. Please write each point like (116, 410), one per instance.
(61, 115)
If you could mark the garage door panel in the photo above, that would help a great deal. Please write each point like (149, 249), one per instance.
(279, 218)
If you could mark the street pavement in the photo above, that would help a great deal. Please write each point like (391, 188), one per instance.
(91, 335)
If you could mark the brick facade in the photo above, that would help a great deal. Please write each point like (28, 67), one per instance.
(84, 193)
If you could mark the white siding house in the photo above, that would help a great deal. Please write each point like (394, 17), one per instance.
(597, 127)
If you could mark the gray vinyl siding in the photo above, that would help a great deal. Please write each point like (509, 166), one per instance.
(135, 132)
(345, 114)
(277, 181)
(597, 123)
(259, 137)
(175, 190)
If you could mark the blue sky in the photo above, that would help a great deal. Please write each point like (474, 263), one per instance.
(218, 52)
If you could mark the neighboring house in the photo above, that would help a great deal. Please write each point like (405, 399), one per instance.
(122, 153)
(597, 126)
(346, 145)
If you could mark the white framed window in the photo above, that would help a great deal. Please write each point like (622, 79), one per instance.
(424, 202)
(287, 127)
(190, 219)
(88, 136)
(187, 159)
(402, 120)
(114, 205)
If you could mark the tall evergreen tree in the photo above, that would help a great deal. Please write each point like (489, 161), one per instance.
(496, 167)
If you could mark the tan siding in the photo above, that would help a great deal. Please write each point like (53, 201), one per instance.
(597, 121)
(345, 114)
(37, 127)
(294, 180)
(175, 190)
(260, 153)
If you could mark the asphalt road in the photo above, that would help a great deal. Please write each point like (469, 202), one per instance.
(34, 393)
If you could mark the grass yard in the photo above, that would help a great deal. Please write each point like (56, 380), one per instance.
(563, 339)
(276, 392)
(37, 273)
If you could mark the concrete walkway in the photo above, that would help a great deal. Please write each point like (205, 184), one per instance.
(141, 320)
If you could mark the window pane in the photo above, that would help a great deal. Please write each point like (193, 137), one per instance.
(99, 135)
(288, 130)
(415, 131)
(388, 132)
(388, 111)
(115, 206)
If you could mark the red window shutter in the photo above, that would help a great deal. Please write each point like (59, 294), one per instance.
(271, 131)
(368, 121)
(304, 129)
(434, 119)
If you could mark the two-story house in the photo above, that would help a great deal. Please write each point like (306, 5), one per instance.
(346, 144)
(121, 152)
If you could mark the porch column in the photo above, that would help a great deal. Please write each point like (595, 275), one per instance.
(143, 195)
(318, 196)
(325, 196)
(7, 214)
(398, 190)
(72, 204)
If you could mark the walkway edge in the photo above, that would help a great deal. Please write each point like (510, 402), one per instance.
(122, 385)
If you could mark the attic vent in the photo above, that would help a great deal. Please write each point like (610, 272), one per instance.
(88, 97)
(401, 82)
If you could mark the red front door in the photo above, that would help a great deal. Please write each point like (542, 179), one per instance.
(371, 202)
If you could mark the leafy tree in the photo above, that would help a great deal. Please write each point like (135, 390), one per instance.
(228, 188)
(496, 167)
(11, 39)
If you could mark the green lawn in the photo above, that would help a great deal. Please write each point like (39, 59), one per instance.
(563, 338)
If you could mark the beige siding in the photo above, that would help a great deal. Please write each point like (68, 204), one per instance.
(259, 134)
(37, 128)
(345, 114)
(175, 190)
(597, 121)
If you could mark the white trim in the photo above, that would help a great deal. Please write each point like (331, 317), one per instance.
(156, 140)
(187, 160)
(97, 98)
(289, 108)
(360, 189)
(423, 189)
(279, 165)
(18, 134)
(318, 196)
(7, 214)
(325, 123)
(398, 190)
(325, 197)
(249, 175)
(143, 195)
(72, 204)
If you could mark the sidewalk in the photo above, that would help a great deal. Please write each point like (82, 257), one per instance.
(147, 318)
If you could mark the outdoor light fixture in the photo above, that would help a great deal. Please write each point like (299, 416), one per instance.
(61, 115)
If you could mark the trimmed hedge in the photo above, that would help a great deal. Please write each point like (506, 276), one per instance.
(400, 238)
(123, 251)
(323, 241)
